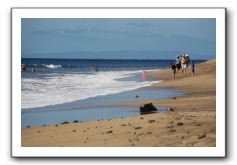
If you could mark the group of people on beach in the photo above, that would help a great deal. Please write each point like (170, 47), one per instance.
(182, 62)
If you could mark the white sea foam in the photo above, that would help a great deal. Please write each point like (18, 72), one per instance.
(71, 87)
(52, 66)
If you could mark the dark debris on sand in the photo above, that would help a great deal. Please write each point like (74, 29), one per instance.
(138, 128)
(180, 123)
(202, 135)
(151, 121)
(109, 132)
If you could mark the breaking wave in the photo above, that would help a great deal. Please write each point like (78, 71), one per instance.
(59, 89)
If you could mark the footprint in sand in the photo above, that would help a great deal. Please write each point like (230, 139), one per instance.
(151, 121)
(138, 128)
(169, 126)
(172, 130)
(198, 124)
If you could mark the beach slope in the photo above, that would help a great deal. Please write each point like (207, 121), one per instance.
(192, 121)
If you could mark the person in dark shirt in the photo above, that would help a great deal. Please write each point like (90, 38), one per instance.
(193, 68)
(178, 63)
(173, 69)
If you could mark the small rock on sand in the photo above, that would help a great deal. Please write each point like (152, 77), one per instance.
(123, 125)
(109, 132)
(202, 135)
(170, 109)
(151, 121)
(148, 108)
(180, 123)
(138, 127)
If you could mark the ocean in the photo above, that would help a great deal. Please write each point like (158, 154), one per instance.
(60, 89)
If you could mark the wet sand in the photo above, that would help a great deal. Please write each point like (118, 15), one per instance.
(191, 123)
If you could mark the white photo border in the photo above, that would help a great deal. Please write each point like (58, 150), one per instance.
(218, 13)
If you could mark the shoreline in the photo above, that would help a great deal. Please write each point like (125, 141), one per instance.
(94, 109)
(192, 123)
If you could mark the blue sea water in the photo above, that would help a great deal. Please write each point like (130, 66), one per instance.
(67, 89)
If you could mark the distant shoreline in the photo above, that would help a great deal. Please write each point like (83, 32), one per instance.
(109, 59)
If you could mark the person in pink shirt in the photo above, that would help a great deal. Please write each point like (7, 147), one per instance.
(143, 76)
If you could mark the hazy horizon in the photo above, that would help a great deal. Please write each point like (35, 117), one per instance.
(130, 38)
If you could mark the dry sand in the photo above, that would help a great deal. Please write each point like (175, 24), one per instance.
(192, 123)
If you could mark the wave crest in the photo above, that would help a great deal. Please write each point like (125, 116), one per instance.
(52, 66)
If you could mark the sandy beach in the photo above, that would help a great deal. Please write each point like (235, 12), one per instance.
(191, 123)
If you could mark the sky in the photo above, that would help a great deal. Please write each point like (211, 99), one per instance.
(123, 38)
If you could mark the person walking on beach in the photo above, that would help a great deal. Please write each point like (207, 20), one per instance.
(173, 70)
(187, 59)
(193, 68)
(143, 76)
(178, 63)
(183, 65)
